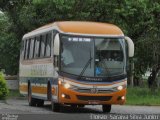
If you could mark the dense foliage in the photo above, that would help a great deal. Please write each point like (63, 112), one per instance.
(9, 46)
(3, 88)
(139, 19)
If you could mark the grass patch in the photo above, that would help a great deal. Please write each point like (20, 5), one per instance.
(14, 94)
(142, 96)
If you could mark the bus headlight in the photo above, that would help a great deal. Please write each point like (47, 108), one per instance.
(67, 85)
(59, 82)
(122, 97)
(120, 87)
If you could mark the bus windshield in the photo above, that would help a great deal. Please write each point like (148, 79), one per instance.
(92, 56)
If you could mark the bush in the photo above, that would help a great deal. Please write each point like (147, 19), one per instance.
(3, 87)
(142, 96)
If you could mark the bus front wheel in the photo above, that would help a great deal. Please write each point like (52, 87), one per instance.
(55, 106)
(40, 102)
(31, 101)
(106, 108)
(81, 106)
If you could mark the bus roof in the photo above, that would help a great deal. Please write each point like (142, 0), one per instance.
(79, 27)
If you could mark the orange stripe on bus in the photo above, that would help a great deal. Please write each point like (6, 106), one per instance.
(23, 88)
(38, 89)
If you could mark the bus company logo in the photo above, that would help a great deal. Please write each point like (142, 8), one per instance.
(94, 90)
(94, 79)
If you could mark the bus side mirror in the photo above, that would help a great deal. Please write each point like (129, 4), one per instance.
(56, 45)
(130, 46)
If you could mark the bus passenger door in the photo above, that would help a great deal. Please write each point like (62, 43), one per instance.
(56, 48)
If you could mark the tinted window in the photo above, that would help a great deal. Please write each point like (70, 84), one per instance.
(38, 47)
(26, 49)
(37, 41)
(29, 42)
(76, 53)
(34, 46)
(31, 48)
(48, 45)
(42, 44)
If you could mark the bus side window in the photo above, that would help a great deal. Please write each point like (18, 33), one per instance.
(22, 49)
(37, 47)
(26, 49)
(31, 48)
(42, 46)
(48, 45)
(34, 47)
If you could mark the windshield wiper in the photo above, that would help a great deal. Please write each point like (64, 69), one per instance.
(84, 69)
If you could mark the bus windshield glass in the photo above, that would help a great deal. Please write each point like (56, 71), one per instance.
(92, 56)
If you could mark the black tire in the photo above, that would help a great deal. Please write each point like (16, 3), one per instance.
(56, 107)
(81, 106)
(106, 108)
(74, 105)
(31, 101)
(39, 102)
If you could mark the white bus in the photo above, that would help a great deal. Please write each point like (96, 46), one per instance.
(75, 63)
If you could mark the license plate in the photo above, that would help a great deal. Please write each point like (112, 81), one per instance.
(93, 102)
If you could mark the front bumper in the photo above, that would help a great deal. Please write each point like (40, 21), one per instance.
(68, 96)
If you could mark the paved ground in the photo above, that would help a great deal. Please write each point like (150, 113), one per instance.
(14, 106)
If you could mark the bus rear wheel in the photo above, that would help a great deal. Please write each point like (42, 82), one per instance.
(106, 108)
(55, 106)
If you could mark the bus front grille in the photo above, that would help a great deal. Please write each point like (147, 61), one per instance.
(98, 98)
(89, 90)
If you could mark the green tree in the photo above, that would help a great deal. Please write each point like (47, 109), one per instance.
(9, 47)
(138, 19)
